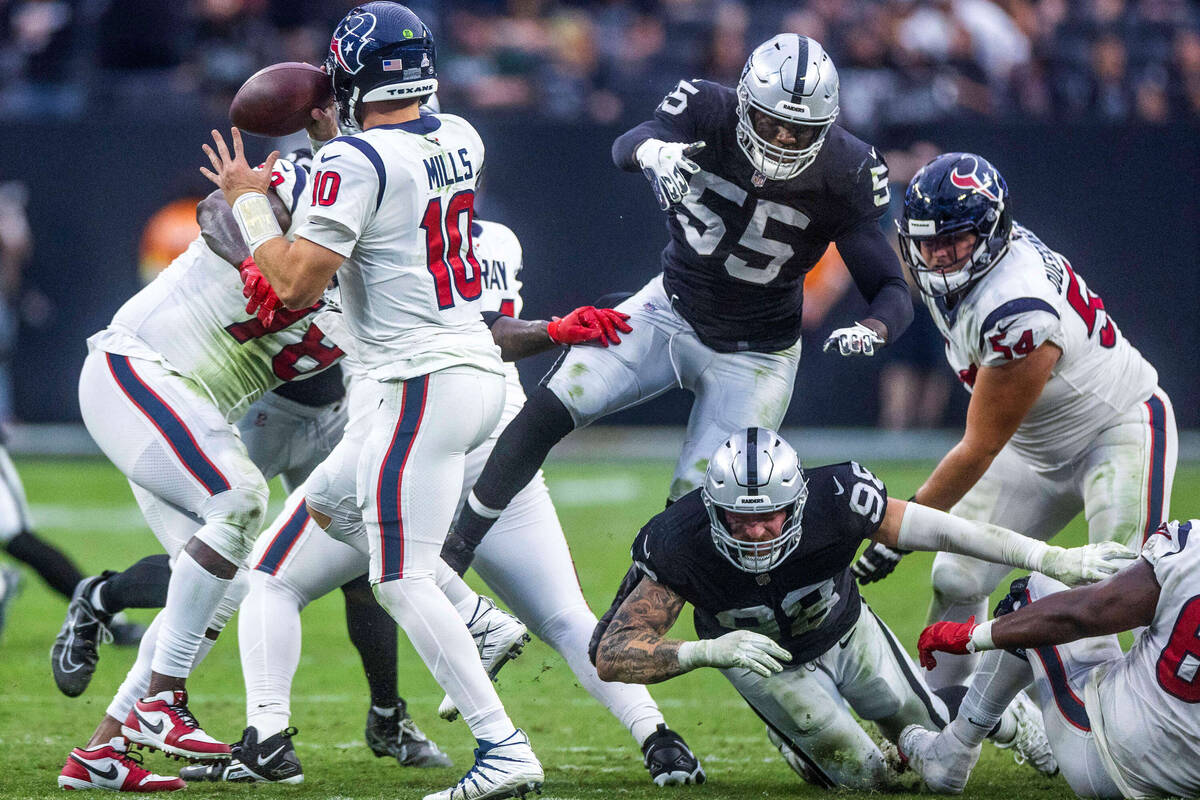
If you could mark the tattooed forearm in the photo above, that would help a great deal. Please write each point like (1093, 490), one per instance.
(633, 649)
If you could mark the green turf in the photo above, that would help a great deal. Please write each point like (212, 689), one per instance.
(85, 507)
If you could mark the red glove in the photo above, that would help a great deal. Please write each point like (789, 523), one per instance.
(589, 324)
(261, 298)
(945, 637)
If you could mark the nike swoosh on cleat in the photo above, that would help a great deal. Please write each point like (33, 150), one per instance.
(155, 729)
(262, 760)
(108, 774)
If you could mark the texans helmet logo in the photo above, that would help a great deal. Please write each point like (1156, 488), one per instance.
(972, 181)
(349, 39)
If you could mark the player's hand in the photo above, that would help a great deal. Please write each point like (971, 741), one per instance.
(857, 340)
(261, 299)
(323, 125)
(233, 175)
(1092, 562)
(945, 637)
(744, 649)
(668, 167)
(589, 324)
(877, 562)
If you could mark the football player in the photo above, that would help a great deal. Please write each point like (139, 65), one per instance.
(756, 182)
(390, 213)
(1121, 725)
(159, 390)
(295, 562)
(1051, 428)
(763, 551)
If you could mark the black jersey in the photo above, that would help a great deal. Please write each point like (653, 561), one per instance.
(320, 390)
(740, 247)
(808, 601)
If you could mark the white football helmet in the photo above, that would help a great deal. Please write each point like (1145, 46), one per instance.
(788, 81)
(753, 471)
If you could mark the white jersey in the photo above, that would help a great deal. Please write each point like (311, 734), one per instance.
(192, 318)
(499, 253)
(1145, 706)
(397, 202)
(1032, 296)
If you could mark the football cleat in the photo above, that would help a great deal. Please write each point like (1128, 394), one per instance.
(941, 759)
(670, 761)
(74, 655)
(273, 760)
(1029, 743)
(500, 638)
(398, 736)
(10, 587)
(507, 768)
(163, 722)
(110, 767)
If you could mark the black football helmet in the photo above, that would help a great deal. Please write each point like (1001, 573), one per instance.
(379, 51)
(955, 192)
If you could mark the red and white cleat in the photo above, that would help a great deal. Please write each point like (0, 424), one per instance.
(110, 767)
(163, 722)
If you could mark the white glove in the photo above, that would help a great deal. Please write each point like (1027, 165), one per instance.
(856, 340)
(667, 166)
(1087, 564)
(745, 649)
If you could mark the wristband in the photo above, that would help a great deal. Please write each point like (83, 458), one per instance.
(692, 655)
(255, 219)
(981, 637)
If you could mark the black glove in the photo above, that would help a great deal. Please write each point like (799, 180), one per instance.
(877, 562)
(458, 553)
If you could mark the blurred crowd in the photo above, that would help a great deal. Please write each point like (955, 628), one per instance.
(901, 61)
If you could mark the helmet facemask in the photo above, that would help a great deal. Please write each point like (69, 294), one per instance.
(763, 556)
(774, 162)
(937, 281)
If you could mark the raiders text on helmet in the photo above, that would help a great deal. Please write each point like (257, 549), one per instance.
(792, 81)
(379, 51)
(752, 472)
(955, 192)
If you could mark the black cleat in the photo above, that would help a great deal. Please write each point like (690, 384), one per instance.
(669, 759)
(399, 737)
(273, 760)
(74, 655)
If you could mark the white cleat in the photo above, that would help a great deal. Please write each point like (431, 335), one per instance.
(499, 636)
(507, 768)
(1029, 743)
(942, 761)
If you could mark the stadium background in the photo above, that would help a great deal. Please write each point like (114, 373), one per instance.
(1091, 109)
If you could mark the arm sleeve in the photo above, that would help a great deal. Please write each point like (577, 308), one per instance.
(1016, 329)
(344, 200)
(876, 272)
(678, 118)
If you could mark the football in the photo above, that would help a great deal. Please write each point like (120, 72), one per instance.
(276, 100)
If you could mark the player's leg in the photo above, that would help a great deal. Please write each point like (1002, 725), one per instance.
(1126, 475)
(733, 390)
(166, 436)
(19, 541)
(1010, 494)
(587, 383)
(544, 593)
(813, 728)
(287, 438)
(410, 474)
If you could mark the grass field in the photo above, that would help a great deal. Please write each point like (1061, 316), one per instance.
(86, 508)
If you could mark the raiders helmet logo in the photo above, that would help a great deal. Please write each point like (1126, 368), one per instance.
(349, 39)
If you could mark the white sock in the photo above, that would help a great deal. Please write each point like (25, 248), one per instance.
(95, 598)
(1000, 676)
(269, 641)
(137, 679)
(192, 598)
(441, 639)
(463, 597)
(384, 712)
(569, 633)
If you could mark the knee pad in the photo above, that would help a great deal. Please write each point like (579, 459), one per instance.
(231, 602)
(233, 520)
(957, 582)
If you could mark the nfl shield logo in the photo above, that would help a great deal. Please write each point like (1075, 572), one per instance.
(758, 179)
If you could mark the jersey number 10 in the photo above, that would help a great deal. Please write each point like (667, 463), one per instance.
(446, 255)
